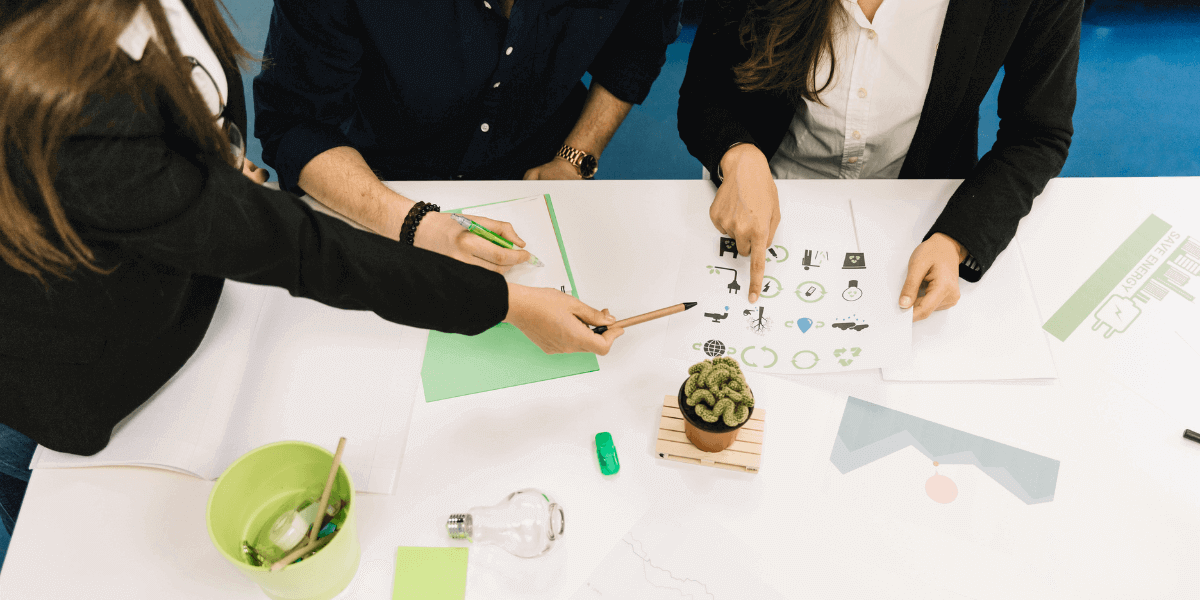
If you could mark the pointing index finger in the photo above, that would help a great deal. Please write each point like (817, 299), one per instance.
(758, 264)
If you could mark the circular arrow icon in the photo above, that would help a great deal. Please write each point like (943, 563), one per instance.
(808, 362)
(810, 291)
(770, 288)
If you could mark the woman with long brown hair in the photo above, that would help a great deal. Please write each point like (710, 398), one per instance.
(123, 210)
(883, 89)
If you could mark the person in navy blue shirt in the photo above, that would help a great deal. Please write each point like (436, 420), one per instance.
(354, 92)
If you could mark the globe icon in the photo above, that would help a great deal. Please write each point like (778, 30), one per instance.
(714, 348)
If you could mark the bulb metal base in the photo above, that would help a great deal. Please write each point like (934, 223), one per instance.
(459, 526)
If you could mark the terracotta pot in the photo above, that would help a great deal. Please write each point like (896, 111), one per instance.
(709, 437)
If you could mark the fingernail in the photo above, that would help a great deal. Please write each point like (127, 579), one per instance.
(905, 302)
(612, 319)
(753, 297)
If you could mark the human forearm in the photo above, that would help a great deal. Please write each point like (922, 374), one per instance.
(341, 179)
(602, 114)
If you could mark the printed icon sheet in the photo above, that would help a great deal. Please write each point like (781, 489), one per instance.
(824, 307)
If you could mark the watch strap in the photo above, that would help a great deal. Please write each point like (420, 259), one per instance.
(575, 157)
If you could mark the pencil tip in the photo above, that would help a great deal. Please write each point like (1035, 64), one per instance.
(687, 305)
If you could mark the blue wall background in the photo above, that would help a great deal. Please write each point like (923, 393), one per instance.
(1139, 94)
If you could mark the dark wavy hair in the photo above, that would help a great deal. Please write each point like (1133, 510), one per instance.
(58, 53)
(787, 40)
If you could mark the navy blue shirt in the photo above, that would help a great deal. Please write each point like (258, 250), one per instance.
(446, 89)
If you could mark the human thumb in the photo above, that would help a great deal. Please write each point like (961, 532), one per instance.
(592, 316)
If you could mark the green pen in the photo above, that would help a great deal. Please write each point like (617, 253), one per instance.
(491, 236)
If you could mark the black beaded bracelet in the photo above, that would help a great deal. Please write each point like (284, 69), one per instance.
(408, 231)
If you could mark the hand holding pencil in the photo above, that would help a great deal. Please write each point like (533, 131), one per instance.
(558, 322)
(650, 316)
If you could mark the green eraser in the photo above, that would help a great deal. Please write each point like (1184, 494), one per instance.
(430, 574)
(606, 453)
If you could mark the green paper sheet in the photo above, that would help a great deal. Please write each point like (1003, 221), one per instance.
(430, 574)
(458, 365)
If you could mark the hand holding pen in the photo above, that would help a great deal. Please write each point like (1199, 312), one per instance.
(442, 233)
(493, 237)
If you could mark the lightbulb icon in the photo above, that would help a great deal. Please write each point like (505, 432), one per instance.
(853, 292)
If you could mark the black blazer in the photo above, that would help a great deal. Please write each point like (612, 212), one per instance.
(78, 355)
(1037, 43)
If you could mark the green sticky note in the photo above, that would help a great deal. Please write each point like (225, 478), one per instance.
(501, 357)
(430, 574)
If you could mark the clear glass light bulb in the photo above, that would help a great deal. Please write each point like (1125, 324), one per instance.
(288, 529)
(526, 524)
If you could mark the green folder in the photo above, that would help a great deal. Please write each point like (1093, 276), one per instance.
(501, 357)
(430, 574)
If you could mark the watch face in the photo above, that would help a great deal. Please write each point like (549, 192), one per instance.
(588, 167)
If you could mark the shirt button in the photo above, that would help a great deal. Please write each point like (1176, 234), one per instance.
(870, 32)
(496, 85)
(857, 135)
(853, 159)
(509, 51)
(862, 92)
(484, 128)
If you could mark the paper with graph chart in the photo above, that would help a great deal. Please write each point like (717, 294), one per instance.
(663, 559)
(822, 308)
(870, 432)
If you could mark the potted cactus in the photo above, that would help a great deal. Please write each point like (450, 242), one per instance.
(715, 401)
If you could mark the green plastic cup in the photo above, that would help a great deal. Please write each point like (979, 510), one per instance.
(254, 490)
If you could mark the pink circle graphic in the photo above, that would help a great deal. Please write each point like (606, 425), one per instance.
(941, 489)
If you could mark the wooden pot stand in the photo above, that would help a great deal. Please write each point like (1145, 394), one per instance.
(743, 455)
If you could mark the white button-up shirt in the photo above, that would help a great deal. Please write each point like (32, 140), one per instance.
(871, 108)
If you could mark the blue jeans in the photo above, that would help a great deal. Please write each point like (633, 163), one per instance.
(15, 452)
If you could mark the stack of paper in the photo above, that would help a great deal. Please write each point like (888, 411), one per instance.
(271, 368)
(993, 333)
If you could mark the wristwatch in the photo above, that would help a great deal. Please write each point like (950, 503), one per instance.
(586, 163)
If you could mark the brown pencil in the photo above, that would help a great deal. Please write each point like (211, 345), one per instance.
(650, 316)
(316, 527)
(337, 460)
(304, 549)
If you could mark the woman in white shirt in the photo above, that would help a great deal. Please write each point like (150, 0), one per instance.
(883, 89)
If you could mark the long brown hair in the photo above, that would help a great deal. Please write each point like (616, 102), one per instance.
(57, 54)
(787, 40)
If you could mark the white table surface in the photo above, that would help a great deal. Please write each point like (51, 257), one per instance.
(1124, 522)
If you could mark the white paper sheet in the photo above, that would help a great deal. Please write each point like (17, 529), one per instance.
(531, 219)
(272, 368)
(182, 425)
(1141, 333)
(318, 373)
(827, 303)
(995, 331)
(661, 559)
